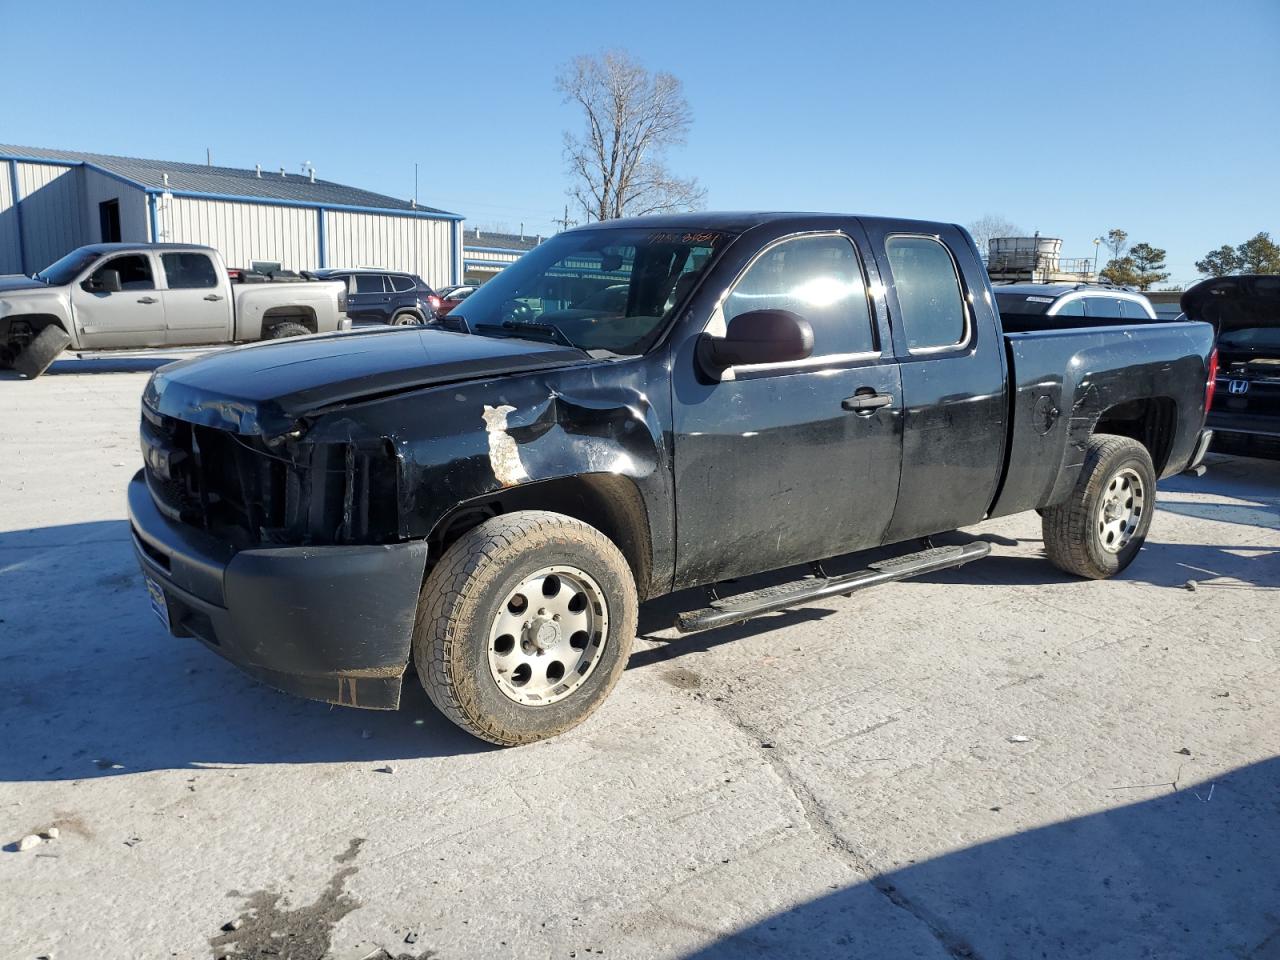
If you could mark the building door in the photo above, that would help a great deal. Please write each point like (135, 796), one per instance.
(109, 221)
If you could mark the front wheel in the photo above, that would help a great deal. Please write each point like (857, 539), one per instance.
(524, 626)
(1098, 530)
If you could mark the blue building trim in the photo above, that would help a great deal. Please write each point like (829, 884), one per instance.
(16, 196)
(234, 198)
(154, 216)
(453, 254)
(322, 241)
(307, 204)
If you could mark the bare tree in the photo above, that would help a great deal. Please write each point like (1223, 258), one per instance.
(990, 226)
(632, 116)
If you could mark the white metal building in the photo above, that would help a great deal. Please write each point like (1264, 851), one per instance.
(484, 253)
(52, 201)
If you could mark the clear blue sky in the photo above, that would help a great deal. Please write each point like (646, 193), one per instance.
(1162, 118)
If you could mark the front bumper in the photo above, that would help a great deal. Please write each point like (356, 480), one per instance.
(332, 623)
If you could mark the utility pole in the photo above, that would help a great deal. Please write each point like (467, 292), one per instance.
(415, 185)
(565, 222)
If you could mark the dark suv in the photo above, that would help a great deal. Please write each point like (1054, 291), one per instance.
(386, 296)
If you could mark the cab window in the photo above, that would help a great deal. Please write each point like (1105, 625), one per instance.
(189, 271)
(930, 299)
(817, 277)
(134, 270)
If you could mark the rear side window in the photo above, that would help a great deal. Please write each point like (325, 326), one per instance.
(400, 283)
(929, 295)
(189, 271)
(817, 277)
(369, 283)
(1132, 308)
(1103, 307)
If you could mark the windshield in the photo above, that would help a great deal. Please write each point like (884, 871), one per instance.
(65, 270)
(604, 289)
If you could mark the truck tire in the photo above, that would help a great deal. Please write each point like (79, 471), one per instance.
(1098, 530)
(37, 356)
(406, 318)
(289, 328)
(524, 626)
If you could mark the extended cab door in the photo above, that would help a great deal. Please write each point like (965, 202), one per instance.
(780, 463)
(197, 298)
(132, 316)
(951, 352)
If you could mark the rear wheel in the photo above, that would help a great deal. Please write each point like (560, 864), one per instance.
(524, 626)
(406, 319)
(1102, 525)
(288, 328)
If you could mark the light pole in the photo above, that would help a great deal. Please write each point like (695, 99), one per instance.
(1097, 245)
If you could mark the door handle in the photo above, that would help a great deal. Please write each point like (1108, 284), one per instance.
(147, 300)
(866, 402)
(214, 297)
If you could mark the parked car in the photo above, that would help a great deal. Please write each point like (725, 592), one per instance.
(386, 296)
(1051, 306)
(450, 297)
(1245, 311)
(491, 507)
(111, 295)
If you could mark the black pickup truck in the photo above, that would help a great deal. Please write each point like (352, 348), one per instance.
(634, 408)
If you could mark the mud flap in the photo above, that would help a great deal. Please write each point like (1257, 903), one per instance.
(37, 355)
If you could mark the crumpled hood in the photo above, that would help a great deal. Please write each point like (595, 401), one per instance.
(263, 388)
(15, 281)
(1233, 303)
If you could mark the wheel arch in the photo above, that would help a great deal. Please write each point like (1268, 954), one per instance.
(611, 503)
(1151, 421)
(294, 313)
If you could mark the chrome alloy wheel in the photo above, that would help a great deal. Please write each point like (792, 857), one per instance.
(548, 635)
(1120, 510)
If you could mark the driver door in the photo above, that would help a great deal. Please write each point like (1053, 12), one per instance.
(132, 316)
(776, 463)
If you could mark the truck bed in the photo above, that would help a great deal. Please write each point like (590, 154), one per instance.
(1065, 381)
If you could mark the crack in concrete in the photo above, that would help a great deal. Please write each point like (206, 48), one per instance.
(821, 825)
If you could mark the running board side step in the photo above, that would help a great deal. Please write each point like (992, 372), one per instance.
(744, 606)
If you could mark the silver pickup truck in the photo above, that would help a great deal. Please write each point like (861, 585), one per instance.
(123, 295)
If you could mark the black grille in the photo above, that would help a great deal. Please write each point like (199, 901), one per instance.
(236, 487)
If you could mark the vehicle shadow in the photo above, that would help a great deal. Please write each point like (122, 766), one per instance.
(1187, 873)
(94, 685)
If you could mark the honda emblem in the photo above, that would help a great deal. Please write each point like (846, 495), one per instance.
(1238, 387)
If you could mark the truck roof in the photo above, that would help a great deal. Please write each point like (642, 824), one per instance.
(112, 247)
(738, 221)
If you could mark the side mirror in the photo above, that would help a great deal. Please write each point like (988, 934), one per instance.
(759, 336)
(104, 281)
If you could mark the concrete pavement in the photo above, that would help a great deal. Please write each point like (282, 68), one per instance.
(991, 762)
